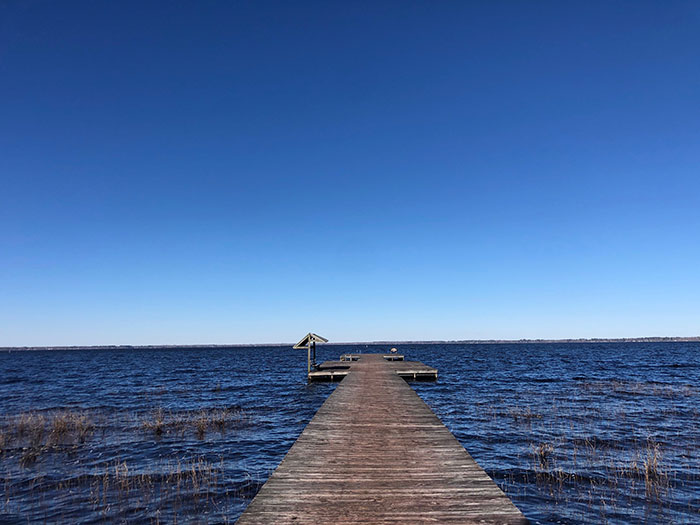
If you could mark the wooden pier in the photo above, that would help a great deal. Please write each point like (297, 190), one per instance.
(375, 453)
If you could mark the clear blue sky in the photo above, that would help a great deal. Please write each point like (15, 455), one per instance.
(230, 172)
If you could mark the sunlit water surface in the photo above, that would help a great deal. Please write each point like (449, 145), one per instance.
(573, 433)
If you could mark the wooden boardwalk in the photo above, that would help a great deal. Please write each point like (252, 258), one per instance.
(375, 453)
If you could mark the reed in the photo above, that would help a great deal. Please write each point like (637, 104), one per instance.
(655, 477)
(31, 426)
(525, 415)
(640, 388)
(169, 491)
(38, 431)
(68, 425)
(543, 454)
(174, 490)
(202, 421)
(29, 456)
(155, 423)
(597, 457)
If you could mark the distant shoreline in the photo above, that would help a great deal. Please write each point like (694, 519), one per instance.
(694, 339)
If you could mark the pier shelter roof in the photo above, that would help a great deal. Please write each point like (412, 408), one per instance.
(308, 339)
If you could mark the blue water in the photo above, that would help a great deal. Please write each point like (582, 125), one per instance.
(573, 433)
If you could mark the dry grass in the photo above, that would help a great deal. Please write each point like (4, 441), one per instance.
(604, 476)
(156, 423)
(31, 426)
(542, 454)
(167, 491)
(34, 433)
(524, 415)
(37, 445)
(640, 388)
(655, 476)
(37, 441)
(68, 425)
(191, 487)
(201, 422)
(607, 458)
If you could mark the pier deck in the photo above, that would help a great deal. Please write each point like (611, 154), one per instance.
(375, 453)
(337, 370)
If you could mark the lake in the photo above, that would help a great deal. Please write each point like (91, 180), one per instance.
(573, 433)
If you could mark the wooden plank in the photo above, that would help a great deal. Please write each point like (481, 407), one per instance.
(375, 453)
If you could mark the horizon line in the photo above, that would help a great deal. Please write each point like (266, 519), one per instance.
(648, 339)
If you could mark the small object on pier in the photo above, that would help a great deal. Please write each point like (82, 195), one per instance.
(309, 342)
(393, 355)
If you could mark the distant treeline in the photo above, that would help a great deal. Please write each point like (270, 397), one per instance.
(693, 339)
(581, 340)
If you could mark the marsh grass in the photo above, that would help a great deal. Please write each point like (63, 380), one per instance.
(542, 453)
(193, 486)
(167, 492)
(29, 436)
(30, 426)
(601, 450)
(525, 415)
(33, 434)
(656, 479)
(70, 426)
(155, 423)
(201, 422)
(35, 445)
(50, 428)
(638, 388)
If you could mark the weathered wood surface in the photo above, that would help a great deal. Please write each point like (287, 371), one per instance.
(337, 370)
(375, 453)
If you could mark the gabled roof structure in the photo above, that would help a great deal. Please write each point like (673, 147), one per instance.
(308, 339)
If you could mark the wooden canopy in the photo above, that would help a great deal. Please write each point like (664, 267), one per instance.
(308, 339)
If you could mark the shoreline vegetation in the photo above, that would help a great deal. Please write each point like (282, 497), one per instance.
(652, 339)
